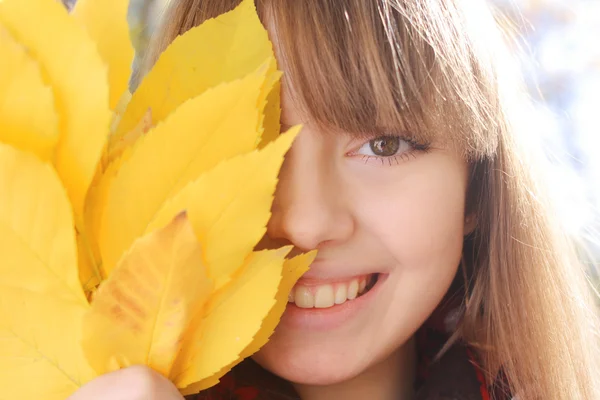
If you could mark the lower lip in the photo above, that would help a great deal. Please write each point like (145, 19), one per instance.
(322, 319)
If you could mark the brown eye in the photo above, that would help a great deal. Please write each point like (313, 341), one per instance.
(385, 146)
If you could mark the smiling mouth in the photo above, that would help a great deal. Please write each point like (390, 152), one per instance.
(331, 294)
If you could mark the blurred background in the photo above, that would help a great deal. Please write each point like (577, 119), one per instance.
(559, 54)
(560, 60)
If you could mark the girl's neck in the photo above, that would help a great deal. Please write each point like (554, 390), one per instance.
(391, 379)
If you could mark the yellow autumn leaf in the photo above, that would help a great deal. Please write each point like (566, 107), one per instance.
(220, 50)
(40, 355)
(119, 110)
(229, 207)
(106, 23)
(219, 124)
(91, 266)
(89, 263)
(72, 67)
(292, 270)
(231, 320)
(91, 271)
(270, 126)
(127, 141)
(141, 313)
(28, 119)
(37, 250)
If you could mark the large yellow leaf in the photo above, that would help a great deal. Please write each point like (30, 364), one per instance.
(219, 124)
(127, 141)
(292, 271)
(233, 318)
(271, 103)
(119, 110)
(106, 23)
(72, 67)
(37, 249)
(140, 314)
(91, 271)
(94, 212)
(220, 50)
(28, 119)
(40, 355)
(229, 206)
(90, 266)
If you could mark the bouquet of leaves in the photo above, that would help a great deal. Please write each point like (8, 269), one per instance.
(128, 222)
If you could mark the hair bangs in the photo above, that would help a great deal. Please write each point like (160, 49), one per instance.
(375, 67)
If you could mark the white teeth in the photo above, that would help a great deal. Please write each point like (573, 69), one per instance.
(304, 298)
(362, 285)
(353, 289)
(341, 294)
(327, 295)
(324, 296)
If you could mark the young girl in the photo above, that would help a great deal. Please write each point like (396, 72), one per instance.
(441, 273)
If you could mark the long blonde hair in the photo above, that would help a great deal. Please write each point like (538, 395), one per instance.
(433, 68)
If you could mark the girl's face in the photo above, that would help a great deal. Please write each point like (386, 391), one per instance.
(379, 210)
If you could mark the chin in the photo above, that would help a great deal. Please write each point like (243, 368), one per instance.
(327, 346)
(319, 363)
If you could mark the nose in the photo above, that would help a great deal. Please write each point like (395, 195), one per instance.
(308, 210)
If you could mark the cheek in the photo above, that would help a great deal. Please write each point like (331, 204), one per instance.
(417, 217)
(418, 222)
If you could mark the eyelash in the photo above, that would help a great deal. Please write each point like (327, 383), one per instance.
(415, 148)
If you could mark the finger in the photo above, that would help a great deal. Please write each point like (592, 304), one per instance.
(133, 383)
